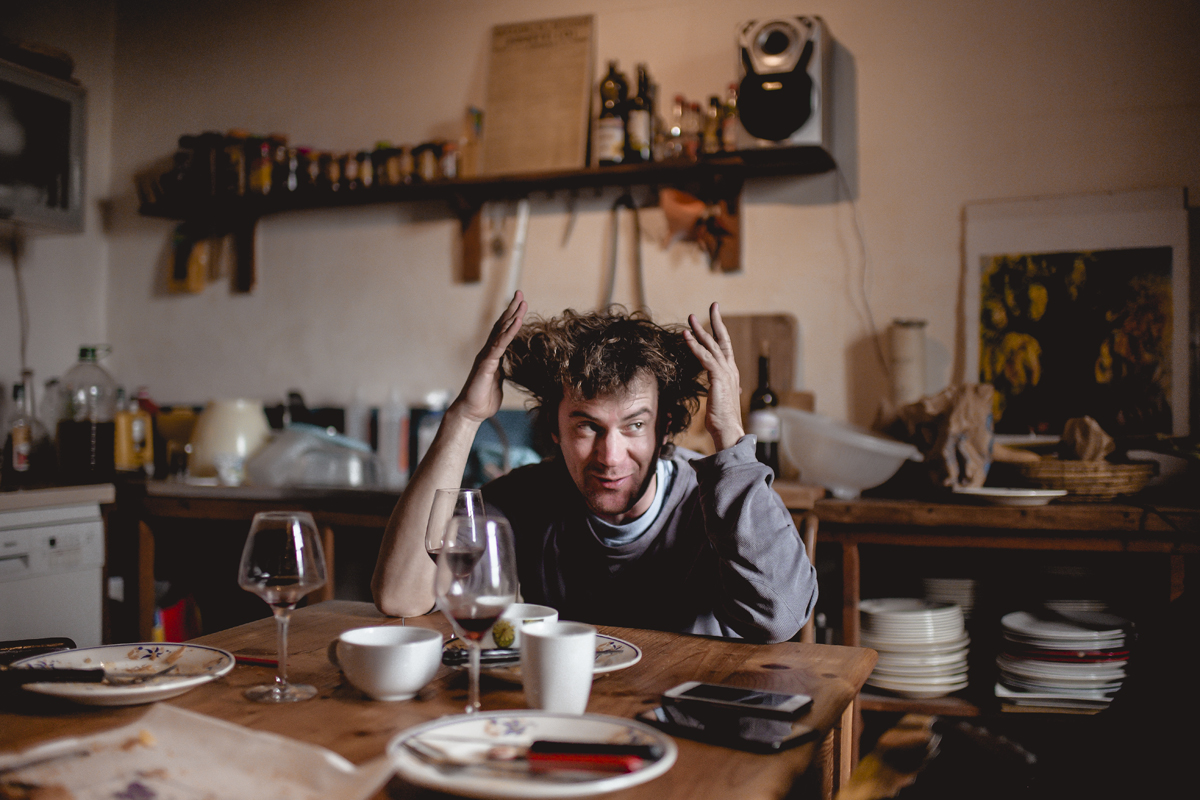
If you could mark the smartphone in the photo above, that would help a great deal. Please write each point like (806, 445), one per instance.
(728, 728)
(748, 701)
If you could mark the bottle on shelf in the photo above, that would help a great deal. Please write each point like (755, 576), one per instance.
(673, 135)
(86, 432)
(690, 131)
(729, 120)
(711, 129)
(640, 126)
(763, 419)
(28, 451)
(611, 122)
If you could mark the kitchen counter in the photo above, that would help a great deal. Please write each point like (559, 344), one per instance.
(18, 499)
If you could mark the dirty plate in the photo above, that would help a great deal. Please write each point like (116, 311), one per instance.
(193, 665)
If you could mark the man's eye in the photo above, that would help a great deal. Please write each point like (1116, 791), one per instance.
(636, 426)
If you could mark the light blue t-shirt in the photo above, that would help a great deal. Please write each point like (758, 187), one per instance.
(615, 535)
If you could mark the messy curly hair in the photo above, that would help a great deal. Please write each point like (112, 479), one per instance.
(599, 353)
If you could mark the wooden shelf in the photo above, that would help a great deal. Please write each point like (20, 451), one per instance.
(714, 179)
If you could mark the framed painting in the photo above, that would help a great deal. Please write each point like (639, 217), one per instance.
(1078, 306)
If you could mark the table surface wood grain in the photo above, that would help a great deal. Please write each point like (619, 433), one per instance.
(344, 720)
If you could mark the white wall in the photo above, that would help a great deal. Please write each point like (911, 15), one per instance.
(952, 102)
(65, 276)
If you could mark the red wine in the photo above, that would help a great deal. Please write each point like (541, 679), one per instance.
(476, 616)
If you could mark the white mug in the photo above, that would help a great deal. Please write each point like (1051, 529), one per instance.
(507, 630)
(389, 662)
(557, 661)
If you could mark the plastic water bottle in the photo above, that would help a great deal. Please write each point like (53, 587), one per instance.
(86, 434)
(393, 441)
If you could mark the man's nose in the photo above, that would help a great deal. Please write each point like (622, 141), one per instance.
(609, 449)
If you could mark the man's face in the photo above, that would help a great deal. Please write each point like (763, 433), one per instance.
(610, 446)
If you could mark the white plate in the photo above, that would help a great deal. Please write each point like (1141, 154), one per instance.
(1023, 623)
(953, 646)
(903, 673)
(194, 664)
(916, 691)
(921, 659)
(998, 496)
(612, 654)
(471, 735)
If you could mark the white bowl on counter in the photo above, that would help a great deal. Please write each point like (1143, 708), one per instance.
(227, 433)
(844, 458)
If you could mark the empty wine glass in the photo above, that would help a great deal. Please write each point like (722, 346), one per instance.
(449, 503)
(281, 563)
(476, 581)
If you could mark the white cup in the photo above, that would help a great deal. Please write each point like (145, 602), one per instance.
(389, 662)
(557, 661)
(507, 630)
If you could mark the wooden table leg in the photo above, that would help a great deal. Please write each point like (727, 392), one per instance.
(326, 591)
(850, 591)
(145, 582)
(844, 741)
(1177, 575)
(827, 759)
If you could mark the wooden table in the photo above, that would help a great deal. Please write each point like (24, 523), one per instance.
(1114, 528)
(345, 721)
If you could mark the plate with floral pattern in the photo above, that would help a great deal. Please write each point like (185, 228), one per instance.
(191, 664)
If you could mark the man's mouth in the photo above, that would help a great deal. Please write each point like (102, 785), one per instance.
(610, 482)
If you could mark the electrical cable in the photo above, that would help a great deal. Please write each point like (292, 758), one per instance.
(15, 242)
(863, 285)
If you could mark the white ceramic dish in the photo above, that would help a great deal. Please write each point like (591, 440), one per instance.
(844, 458)
(952, 646)
(1022, 623)
(470, 736)
(194, 665)
(998, 496)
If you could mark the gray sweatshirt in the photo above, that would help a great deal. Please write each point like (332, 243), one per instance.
(722, 558)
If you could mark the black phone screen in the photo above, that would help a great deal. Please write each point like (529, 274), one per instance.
(735, 694)
(728, 728)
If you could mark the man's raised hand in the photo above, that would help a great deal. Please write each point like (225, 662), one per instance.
(723, 416)
(482, 393)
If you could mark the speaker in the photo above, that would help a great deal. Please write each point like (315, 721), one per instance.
(784, 79)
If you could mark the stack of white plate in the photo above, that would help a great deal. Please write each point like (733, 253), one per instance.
(1062, 659)
(959, 591)
(922, 646)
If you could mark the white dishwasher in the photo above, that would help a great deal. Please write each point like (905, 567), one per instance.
(51, 573)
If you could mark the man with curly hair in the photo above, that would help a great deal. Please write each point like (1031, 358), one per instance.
(618, 527)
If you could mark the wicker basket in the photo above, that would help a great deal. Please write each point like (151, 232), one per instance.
(1087, 481)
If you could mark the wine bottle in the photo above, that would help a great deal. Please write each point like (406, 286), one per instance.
(763, 420)
(638, 127)
(711, 128)
(610, 125)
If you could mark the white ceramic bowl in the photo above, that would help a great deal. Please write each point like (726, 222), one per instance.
(843, 458)
(389, 662)
(507, 630)
(227, 429)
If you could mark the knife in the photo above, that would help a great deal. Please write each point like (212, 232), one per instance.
(546, 756)
(19, 676)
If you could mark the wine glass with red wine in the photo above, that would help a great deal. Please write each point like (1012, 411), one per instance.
(282, 562)
(476, 581)
(449, 503)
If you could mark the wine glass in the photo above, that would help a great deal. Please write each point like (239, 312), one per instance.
(281, 563)
(476, 581)
(449, 503)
